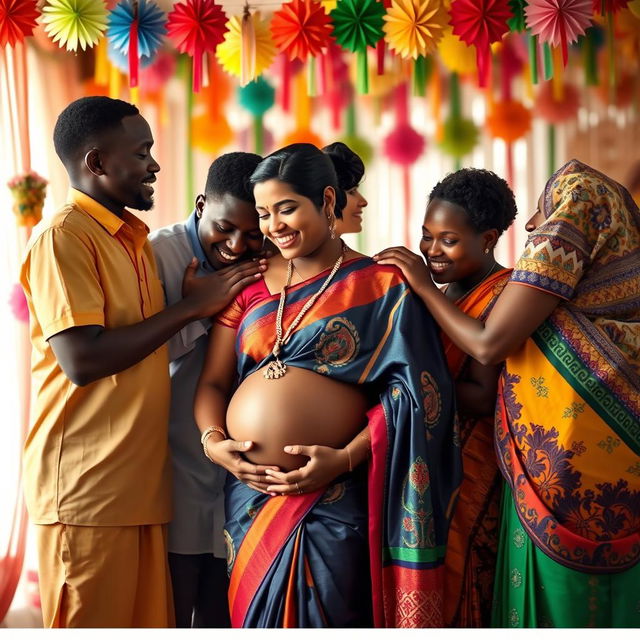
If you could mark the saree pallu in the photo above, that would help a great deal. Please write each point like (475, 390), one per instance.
(568, 444)
(367, 328)
(568, 413)
(473, 536)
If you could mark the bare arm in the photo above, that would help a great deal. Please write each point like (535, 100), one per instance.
(476, 390)
(89, 353)
(210, 409)
(518, 312)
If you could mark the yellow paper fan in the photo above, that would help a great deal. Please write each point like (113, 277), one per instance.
(229, 52)
(414, 27)
(75, 22)
(329, 5)
(456, 56)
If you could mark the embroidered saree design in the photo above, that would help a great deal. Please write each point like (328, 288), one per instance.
(473, 535)
(298, 559)
(568, 418)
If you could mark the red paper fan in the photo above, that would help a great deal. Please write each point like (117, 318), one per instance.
(17, 20)
(301, 28)
(195, 27)
(480, 23)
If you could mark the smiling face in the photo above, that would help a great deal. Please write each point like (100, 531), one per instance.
(453, 249)
(227, 229)
(128, 168)
(292, 221)
(351, 221)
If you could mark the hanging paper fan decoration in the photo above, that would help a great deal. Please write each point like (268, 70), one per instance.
(329, 5)
(509, 120)
(195, 27)
(229, 52)
(357, 24)
(558, 22)
(414, 27)
(300, 28)
(555, 110)
(75, 22)
(17, 20)
(517, 23)
(455, 55)
(136, 29)
(120, 60)
(480, 23)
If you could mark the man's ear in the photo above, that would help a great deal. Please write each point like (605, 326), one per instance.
(199, 205)
(93, 162)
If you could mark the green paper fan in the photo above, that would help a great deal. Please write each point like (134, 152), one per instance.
(357, 24)
(517, 23)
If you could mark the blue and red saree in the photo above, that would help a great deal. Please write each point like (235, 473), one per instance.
(302, 561)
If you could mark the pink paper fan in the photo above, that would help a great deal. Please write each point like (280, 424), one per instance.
(558, 22)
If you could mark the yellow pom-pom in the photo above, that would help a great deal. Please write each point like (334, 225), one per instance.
(456, 56)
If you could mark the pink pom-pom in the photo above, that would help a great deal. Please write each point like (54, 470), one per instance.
(556, 111)
(18, 304)
(157, 74)
(404, 145)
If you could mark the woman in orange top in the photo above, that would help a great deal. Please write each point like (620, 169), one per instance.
(467, 212)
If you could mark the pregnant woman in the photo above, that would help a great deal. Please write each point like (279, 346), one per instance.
(337, 361)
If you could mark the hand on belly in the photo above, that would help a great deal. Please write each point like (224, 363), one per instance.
(301, 408)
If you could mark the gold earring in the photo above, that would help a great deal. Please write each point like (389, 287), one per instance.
(332, 225)
(486, 250)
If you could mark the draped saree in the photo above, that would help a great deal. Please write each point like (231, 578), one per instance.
(568, 417)
(473, 536)
(369, 549)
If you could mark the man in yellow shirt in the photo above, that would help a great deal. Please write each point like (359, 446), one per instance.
(96, 460)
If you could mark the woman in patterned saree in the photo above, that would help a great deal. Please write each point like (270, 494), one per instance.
(466, 214)
(568, 415)
(326, 335)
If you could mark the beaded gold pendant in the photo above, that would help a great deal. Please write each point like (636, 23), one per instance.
(275, 370)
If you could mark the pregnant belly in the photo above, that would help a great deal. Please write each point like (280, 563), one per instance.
(302, 407)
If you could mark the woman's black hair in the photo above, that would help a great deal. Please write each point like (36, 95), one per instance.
(485, 197)
(348, 165)
(306, 169)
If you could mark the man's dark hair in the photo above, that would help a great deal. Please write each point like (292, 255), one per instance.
(230, 174)
(485, 197)
(348, 164)
(83, 121)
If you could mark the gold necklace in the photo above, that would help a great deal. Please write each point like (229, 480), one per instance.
(277, 368)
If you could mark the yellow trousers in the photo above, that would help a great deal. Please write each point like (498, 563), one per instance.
(104, 576)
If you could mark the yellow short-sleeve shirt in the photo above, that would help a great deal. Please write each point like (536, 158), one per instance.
(95, 455)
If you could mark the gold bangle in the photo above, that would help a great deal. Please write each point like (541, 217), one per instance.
(205, 437)
(349, 456)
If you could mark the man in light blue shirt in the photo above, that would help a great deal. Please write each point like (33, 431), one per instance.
(221, 232)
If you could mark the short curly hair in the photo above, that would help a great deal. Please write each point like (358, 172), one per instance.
(230, 174)
(348, 165)
(485, 197)
(84, 120)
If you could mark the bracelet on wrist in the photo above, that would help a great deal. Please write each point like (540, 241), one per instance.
(206, 434)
